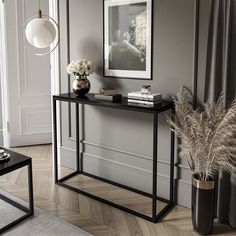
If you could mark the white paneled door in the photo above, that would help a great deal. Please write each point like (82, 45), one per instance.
(28, 78)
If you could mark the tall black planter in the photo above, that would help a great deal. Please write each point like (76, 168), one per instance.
(203, 202)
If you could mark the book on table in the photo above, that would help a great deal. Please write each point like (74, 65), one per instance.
(109, 91)
(114, 98)
(152, 97)
(143, 102)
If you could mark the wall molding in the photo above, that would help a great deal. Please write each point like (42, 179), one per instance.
(115, 162)
(182, 166)
(184, 187)
(123, 152)
(149, 158)
(26, 128)
(124, 165)
(184, 182)
(137, 177)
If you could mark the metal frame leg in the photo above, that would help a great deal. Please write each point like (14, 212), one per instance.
(77, 138)
(55, 139)
(154, 180)
(82, 139)
(30, 187)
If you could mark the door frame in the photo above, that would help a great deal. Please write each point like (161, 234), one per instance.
(54, 56)
(55, 74)
(55, 69)
(4, 76)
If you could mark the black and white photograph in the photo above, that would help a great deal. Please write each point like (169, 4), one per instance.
(128, 38)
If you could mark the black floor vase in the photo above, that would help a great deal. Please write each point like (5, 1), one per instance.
(203, 203)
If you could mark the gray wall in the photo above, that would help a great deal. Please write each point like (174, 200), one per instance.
(118, 144)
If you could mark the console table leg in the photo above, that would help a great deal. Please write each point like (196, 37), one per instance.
(154, 187)
(77, 139)
(55, 139)
(30, 184)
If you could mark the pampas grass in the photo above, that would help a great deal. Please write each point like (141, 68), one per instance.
(208, 135)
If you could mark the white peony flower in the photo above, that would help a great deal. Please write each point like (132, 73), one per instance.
(90, 67)
(73, 62)
(70, 69)
(85, 61)
(80, 67)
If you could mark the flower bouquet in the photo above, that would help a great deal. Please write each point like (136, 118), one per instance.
(81, 69)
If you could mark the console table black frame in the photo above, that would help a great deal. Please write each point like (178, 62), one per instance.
(16, 162)
(124, 105)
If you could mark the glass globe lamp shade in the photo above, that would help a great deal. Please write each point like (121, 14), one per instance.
(40, 32)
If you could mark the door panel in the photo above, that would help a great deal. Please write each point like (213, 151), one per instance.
(28, 78)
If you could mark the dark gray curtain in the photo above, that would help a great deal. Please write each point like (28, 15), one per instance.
(221, 77)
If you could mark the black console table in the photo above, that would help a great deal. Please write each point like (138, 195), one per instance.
(124, 105)
(16, 162)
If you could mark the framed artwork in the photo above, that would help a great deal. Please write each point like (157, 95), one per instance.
(128, 38)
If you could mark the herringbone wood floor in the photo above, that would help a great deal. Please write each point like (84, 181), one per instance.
(92, 216)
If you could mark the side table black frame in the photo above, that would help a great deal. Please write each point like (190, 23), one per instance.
(29, 211)
(124, 105)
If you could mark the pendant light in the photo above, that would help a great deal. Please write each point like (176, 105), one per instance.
(41, 31)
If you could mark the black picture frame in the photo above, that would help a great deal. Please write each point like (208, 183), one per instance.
(126, 73)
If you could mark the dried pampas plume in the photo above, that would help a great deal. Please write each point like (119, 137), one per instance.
(208, 134)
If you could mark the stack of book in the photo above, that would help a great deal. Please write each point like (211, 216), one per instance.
(145, 99)
(109, 95)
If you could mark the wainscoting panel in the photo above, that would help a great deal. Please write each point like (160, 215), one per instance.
(126, 159)
(69, 159)
(126, 131)
(127, 175)
(120, 172)
(32, 80)
(35, 120)
(184, 193)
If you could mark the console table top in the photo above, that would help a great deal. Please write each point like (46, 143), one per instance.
(89, 99)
